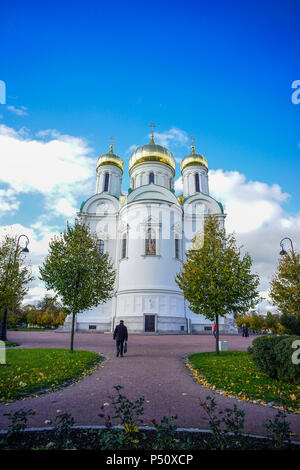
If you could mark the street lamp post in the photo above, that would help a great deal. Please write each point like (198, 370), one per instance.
(283, 252)
(3, 327)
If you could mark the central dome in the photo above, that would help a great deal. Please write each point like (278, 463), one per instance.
(152, 153)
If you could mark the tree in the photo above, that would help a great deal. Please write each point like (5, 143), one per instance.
(285, 285)
(272, 322)
(215, 278)
(77, 272)
(257, 323)
(242, 319)
(291, 324)
(32, 317)
(14, 279)
(49, 302)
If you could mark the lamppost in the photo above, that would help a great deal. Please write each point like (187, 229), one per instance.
(3, 327)
(283, 252)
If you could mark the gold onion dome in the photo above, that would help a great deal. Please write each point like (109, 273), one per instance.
(152, 153)
(193, 159)
(110, 159)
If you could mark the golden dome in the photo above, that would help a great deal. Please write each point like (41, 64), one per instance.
(110, 159)
(193, 159)
(152, 153)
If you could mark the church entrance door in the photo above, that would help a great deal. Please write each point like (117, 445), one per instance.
(149, 323)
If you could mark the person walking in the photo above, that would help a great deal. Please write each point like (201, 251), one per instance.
(245, 332)
(120, 335)
(215, 329)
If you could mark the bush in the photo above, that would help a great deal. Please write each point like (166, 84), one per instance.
(273, 356)
(263, 354)
(287, 371)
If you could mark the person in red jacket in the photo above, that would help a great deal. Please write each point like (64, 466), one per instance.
(215, 329)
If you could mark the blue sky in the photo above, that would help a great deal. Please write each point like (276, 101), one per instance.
(83, 71)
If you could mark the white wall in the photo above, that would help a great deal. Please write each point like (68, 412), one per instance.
(163, 175)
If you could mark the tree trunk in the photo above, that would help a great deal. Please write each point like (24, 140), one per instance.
(217, 334)
(72, 331)
(3, 332)
(73, 313)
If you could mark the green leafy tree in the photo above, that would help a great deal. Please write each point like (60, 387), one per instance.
(32, 317)
(285, 285)
(14, 279)
(77, 272)
(291, 324)
(215, 278)
(272, 322)
(49, 303)
(242, 319)
(257, 323)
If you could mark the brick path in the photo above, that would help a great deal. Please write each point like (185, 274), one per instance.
(153, 368)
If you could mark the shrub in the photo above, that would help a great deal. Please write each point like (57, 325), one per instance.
(287, 371)
(273, 356)
(263, 354)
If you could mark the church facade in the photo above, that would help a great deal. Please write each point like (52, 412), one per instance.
(146, 234)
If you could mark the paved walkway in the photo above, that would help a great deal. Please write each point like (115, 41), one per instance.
(153, 368)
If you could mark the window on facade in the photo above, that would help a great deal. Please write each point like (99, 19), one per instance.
(100, 247)
(170, 183)
(177, 247)
(124, 247)
(197, 184)
(151, 178)
(150, 245)
(106, 182)
(132, 183)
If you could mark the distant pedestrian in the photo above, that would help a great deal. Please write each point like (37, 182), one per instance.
(215, 329)
(245, 332)
(120, 335)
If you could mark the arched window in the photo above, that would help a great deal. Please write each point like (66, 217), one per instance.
(132, 183)
(177, 247)
(151, 178)
(124, 246)
(170, 183)
(106, 182)
(100, 247)
(150, 242)
(197, 184)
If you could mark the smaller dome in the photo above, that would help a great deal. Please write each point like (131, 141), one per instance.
(193, 159)
(110, 159)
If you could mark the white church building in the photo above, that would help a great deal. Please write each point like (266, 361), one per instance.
(146, 234)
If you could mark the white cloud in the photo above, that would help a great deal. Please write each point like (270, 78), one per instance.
(39, 237)
(172, 136)
(54, 165)
(131, 149)
(255, 212)
(63, 207)
(21, 111)
(8, 202)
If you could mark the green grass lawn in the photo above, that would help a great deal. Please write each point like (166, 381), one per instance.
(30, 371)
(235, 373)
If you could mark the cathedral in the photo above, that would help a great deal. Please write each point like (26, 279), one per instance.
(146, 233)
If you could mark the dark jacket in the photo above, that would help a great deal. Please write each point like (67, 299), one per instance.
(120, 333)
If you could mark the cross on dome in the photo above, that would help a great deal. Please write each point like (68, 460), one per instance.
(152, 133)
(112, 144)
